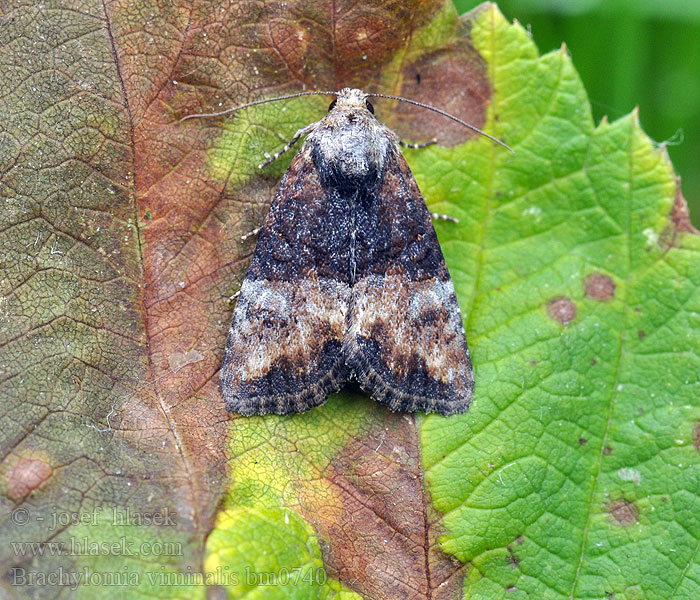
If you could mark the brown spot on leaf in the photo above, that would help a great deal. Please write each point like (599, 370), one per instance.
(696, 435)
(582, 441)
(679, 220)
(378, 541)
(562, 309)
(679, 213)
(641, 333)
(443, 72)
(368, 34)
(519, 539)
(26, 475)
(607, 450)
(600, 287)
(594, 362)
(623, 512)
(513, 559)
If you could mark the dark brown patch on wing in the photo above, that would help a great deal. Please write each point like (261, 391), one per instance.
(307, 230)
(283, 349)
(395, 234)
(405, 340)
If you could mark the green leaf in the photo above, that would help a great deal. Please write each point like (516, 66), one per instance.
(575, 473)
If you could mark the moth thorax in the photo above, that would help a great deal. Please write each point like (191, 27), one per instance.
(350, 150)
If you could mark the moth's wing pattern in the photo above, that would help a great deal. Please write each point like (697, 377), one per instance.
(405, 340)
(283, 352)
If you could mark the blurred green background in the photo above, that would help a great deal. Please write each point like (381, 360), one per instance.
(630, 53)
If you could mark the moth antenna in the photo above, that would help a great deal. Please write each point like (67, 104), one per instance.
(255, 103)
(444, 114)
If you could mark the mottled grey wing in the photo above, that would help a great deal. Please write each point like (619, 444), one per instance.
(405, 340)
(283, 352)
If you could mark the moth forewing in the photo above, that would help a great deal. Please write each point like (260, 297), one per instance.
(347, 282)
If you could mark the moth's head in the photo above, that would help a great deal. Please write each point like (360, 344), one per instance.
(349, 146)
(351, 100)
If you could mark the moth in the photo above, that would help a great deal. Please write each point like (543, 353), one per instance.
(347, 281)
